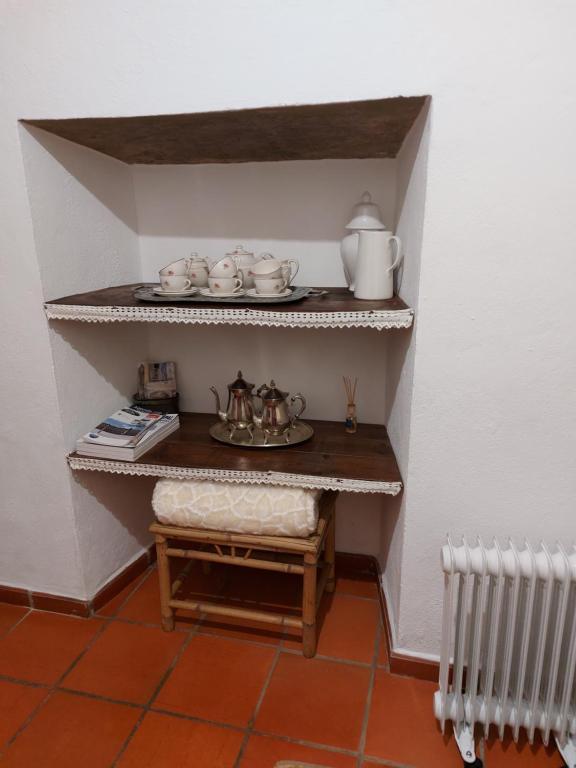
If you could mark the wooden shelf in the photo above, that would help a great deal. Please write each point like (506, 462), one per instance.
(337, 309)
(350, 129)
(331, 460)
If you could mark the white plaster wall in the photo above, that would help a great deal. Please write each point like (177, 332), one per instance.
(492, 441)
(84, 222)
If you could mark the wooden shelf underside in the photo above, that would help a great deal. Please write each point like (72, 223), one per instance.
(337, 309)
(350, 129)
(330, 460)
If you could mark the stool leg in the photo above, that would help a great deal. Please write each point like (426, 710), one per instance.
(330, 554)
(309, 606)
(166, 612)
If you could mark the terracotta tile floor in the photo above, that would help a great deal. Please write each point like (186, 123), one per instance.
(115, 691)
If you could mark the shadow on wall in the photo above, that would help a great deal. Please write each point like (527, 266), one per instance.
(96, 172)
(117, 508)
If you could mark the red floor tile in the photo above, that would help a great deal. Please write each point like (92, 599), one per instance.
(163, 741)
(17, 702)
(44, 645)
(217, 679)
(402, 727)
(112, 606)
(126, 662)
(144, 605)
(507, 754)
(315, 700)
(71, 731)
(10, 615)
(242, 629)
(356, 587)
(265, 751)
(348, 628)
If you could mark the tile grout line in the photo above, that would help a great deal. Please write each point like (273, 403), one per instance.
(147, 707)
(367, 708)
(306, 743)
(19, 621)
(250, 727)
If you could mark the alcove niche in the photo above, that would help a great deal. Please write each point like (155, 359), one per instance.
(114, 199)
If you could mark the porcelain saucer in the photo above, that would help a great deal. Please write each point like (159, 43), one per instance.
(175, 294)
(252, 292)
(228, 295)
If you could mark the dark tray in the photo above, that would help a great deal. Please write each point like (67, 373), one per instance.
(146, 293)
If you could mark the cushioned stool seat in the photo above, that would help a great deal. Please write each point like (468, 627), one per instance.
(265, 509)
(262, 527)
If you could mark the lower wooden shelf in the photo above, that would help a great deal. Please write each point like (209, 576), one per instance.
(330, 460)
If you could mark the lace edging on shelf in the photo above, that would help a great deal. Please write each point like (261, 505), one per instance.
(378, 319)
(232, 476)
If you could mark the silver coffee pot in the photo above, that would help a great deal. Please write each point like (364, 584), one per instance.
(275, 418)
(239, 413)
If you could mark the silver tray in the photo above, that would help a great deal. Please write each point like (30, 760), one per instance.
(146, 293)
(299, 433)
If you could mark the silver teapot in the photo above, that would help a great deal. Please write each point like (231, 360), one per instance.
(275, 418)
(239, 413)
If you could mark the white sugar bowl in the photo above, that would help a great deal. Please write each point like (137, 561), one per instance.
(198, 271)
(244, 260)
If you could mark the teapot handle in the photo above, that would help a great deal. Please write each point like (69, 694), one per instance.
(302, 408)
(399, 256)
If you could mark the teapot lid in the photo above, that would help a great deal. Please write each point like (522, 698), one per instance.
(240, 251)
(272, 392)
(366, 215)
(240, 383)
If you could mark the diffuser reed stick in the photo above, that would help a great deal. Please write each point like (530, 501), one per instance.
(351, 422)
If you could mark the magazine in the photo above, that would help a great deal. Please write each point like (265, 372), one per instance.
(127, 447)
(125, 427)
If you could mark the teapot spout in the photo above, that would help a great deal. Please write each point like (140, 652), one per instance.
(221, 414)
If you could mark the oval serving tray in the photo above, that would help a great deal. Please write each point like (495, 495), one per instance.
(299, 433)
(146, 293)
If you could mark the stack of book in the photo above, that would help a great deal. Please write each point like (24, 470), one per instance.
(127, 434)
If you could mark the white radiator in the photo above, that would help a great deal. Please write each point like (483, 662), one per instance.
(509, 633)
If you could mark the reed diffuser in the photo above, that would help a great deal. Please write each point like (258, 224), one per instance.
(351, 422)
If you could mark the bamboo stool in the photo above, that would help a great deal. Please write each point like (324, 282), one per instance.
(268, 553)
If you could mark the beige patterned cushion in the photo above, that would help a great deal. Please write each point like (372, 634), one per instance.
(261, 509)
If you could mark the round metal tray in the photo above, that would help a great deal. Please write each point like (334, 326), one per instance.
(299, 433)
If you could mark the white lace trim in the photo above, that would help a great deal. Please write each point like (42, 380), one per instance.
(378, 319)
(233, 476)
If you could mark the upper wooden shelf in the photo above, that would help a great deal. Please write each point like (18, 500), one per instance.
(330, 460)
(337, 309)
(349, 129)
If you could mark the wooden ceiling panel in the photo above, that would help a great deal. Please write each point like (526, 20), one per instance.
(351, 129)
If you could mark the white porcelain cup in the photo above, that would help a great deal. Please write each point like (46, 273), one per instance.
(179, 267)
(174, 283)
(225, 284)
(225, 267)
(270, 284)
(267, 266)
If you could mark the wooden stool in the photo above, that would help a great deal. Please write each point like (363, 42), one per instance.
(268, 553)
